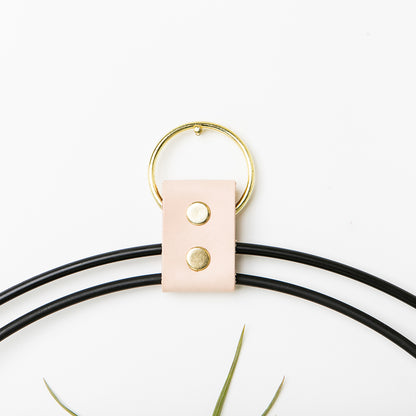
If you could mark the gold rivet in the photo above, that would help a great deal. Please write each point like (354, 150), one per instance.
(198, 258)
(197, 130)
(198, 213)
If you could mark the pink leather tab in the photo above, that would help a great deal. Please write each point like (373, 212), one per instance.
(216, 236)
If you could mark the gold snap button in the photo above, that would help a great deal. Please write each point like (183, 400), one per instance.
(198, 258)
(198, 213)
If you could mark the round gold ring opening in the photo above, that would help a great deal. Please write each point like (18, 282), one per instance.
(198, 127)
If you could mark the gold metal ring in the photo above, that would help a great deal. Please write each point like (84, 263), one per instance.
(198, 127)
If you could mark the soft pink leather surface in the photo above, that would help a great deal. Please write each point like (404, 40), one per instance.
(217, 236)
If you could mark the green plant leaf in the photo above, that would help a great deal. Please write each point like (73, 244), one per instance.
(276, 395)
(224, 391)
(57, 400)
(221, 399)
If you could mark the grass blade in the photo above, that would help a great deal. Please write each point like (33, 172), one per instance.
(276, 395)
(57, 400)
(224, 391)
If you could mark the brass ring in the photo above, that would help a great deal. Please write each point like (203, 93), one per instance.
(198, 127)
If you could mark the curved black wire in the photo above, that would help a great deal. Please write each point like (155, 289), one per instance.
(77, 266)
(241, 279)
(241, 248)
(330, 265)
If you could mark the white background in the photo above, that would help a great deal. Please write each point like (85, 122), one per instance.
(323, 92)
